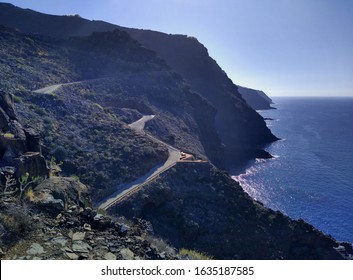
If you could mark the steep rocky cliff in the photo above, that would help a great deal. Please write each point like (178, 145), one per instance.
(20, 151)
(257, 99)
(240, 128)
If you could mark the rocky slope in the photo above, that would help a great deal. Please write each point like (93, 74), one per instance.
(257, 99)
(55, 222)
(82, 124)
(241, 131)
(52, 218)
(211, 213)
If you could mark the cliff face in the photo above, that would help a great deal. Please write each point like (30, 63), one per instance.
(257, 99)
(240, 128)
(20, 151)
(237, 133)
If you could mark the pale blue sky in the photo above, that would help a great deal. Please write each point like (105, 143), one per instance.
(284, 47)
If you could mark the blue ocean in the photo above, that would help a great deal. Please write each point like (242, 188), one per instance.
(311, 174)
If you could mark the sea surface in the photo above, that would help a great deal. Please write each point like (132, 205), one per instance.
(311, 175)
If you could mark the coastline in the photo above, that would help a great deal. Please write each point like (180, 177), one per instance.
(321, 192)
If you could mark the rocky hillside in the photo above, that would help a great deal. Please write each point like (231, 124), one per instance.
(84, 124)
(257, 99)
(48, 217)
(55, 221)
(241, 131)
(91, 141)
(189, 206)
(212, 214)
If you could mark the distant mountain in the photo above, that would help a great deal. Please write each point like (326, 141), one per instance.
(241, 130)
(257, 99)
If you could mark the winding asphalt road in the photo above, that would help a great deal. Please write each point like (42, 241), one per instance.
(53, 88)
(49, 89)
(127, 189)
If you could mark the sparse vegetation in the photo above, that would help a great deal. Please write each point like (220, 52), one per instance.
(9, 135)
(17, 222)
(19, 187)
(25, 182)
(193, 255)
(54, 168)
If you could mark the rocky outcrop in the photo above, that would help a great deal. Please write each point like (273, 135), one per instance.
(257, 99)
(56, 193)
(19, 148)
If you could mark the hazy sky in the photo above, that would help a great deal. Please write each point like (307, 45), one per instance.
(284, 47)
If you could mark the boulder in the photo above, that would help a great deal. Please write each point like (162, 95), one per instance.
(123, 230)
(46, 202)
(35, 249)
(59, 241)
(101, 222)
(57, 193)
(81, 247)
(127, 254)
(78, 236)
(71, 256)
(109, 256)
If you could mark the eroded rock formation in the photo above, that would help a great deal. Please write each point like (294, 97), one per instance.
(20, 151)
